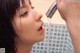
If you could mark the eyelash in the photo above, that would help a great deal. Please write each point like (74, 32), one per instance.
(24, 14)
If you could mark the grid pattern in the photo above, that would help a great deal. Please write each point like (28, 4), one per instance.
(57, 40)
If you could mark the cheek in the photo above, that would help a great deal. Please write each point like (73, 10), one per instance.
(28, 31)
(25, 29)
(28, 28)
(17, 26)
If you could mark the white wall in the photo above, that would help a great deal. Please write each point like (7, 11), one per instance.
(42, 6)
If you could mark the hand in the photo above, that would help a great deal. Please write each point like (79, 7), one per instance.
(69, 10)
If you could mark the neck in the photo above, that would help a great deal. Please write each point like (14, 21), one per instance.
(23, 48)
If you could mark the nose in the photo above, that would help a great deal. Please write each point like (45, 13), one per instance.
(38, 16)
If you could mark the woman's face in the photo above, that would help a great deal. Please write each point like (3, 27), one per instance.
(27, 24)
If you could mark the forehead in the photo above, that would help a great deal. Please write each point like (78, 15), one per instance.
(23, 2)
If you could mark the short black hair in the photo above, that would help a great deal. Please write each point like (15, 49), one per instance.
(8, 9)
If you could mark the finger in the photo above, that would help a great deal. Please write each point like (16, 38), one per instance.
(58, 2)
(61, 4)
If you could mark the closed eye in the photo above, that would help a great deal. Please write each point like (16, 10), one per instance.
(24, 14)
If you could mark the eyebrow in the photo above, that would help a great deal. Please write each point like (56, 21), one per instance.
(30, 2)
(24, 5)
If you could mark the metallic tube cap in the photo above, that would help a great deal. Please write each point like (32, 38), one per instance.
(51, 10)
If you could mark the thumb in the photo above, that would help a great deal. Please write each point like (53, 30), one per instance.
(58, 2)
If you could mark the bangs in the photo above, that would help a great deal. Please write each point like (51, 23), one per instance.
(22, 1)
(8, 8)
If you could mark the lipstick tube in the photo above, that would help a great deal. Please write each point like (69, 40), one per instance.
(51, 10)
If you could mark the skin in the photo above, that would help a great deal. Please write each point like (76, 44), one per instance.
(26, 23)
(26, 26)
(70, 12)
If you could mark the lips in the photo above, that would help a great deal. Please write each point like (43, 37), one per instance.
(40, 28)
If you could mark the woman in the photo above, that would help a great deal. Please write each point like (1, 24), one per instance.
(20, 26)
(70, 12)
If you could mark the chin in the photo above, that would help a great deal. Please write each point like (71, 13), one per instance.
(41, 38)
